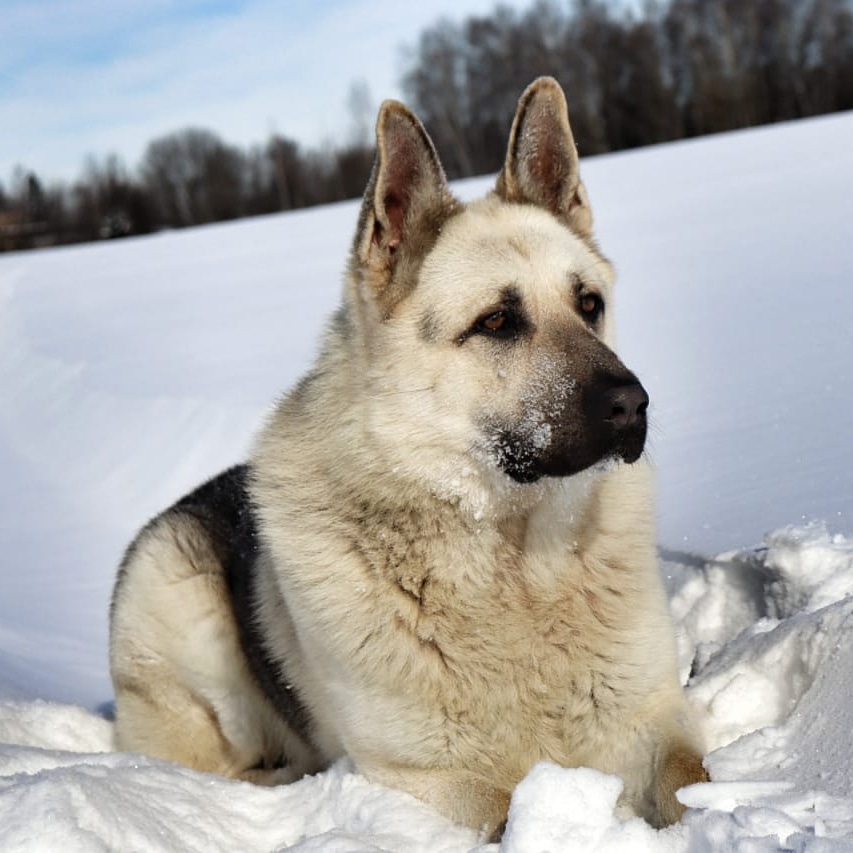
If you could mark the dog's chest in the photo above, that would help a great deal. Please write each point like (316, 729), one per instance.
(494, 653)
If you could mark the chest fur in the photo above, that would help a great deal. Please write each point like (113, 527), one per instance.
(475, 645)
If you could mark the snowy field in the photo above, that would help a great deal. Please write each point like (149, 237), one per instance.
(130, 371)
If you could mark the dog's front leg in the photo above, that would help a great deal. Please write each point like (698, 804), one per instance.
(680, 764)
(461, 796)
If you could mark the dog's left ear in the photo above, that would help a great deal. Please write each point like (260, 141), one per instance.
(407, 197)
(541, 164)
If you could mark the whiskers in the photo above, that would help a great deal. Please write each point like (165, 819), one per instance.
(654, 431)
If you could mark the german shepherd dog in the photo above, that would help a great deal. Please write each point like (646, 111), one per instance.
(439, 559)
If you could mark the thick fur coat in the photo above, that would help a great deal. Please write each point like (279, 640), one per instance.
(440, 557)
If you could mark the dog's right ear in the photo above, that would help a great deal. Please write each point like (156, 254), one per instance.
(407, 197)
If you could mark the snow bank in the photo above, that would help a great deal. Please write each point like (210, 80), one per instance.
(61, 789)
(770, 635)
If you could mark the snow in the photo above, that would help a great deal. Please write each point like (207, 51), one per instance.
(130, 371)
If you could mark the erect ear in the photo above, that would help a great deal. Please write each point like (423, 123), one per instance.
(407, 197)
(541, 164)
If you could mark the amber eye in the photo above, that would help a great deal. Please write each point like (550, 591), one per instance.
(591, 306)
(503, 324)
(494, 322)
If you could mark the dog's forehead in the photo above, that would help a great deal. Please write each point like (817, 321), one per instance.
(492, 245)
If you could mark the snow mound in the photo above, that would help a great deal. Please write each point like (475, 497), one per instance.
(771, 634)
(765, 636)
(58, 799)
(556, 808)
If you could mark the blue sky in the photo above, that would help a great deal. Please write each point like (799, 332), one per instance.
(80, 77)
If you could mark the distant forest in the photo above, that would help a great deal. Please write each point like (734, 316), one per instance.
(679, 69)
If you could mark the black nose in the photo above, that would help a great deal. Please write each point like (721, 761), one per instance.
(625, 406)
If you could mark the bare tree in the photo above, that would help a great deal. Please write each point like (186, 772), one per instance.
(109, 202)
(193, 178)
(437, 87)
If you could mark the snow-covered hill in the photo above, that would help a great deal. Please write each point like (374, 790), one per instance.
(130, 371)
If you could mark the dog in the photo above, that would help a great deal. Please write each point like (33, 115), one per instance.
(439, 559)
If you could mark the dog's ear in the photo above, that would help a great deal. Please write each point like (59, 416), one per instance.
(541, 164)
(407, 196)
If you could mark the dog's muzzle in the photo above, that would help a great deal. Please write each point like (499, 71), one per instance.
(607, 420)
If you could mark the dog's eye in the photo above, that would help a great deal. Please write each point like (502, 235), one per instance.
(494, 322)
(591, 305)
(503, 321)
(503, 324)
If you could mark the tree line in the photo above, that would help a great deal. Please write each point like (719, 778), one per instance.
(676, 70)
(191, 177)
(679, 70)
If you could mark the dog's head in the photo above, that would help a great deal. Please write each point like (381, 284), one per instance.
(484, 332)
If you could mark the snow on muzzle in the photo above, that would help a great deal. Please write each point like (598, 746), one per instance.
(573, 420)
